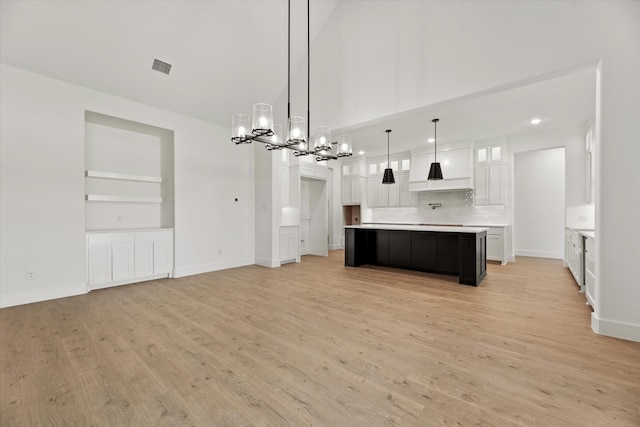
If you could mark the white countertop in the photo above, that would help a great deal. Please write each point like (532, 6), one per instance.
(409, 227)
(126, 230)
(487, 225)
(588, 233)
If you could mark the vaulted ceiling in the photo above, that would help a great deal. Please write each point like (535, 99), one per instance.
(228, 54)
(225, 54)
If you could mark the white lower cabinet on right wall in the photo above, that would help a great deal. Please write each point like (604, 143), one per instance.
(589, 270)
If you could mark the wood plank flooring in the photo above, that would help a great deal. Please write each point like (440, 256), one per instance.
(318, 344)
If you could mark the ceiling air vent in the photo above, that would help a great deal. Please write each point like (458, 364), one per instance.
(161, 66)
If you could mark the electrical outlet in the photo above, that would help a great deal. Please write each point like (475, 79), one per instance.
(30, 275)
(219, 252)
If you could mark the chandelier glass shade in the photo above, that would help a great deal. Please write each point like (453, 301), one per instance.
(265, 131)
(344, 145)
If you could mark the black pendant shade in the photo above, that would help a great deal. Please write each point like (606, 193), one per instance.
(388, 178)
(435, 171)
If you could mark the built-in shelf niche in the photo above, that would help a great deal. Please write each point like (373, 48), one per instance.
(128, 174)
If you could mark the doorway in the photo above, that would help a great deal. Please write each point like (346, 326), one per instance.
(539, 203)
(314, 224)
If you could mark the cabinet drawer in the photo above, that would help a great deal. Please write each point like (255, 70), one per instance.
(107, 238)
(495, 231)
(150, 236)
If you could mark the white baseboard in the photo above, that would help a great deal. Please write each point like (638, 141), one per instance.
(625, 331)
(335, 247)
(266, 262)
(214, 266)
(128, 281)
(539, 254)
(43, 294)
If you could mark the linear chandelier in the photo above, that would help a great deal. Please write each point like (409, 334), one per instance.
(265, 131)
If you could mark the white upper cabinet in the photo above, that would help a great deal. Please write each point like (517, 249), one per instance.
(491, 173)
(389, 195)
(352, 183)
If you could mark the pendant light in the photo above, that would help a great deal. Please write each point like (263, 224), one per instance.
(388, 178)
(435, 171)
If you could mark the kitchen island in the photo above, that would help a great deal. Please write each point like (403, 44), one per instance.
(458, 251)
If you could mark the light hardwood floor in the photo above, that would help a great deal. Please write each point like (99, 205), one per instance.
(317, 343)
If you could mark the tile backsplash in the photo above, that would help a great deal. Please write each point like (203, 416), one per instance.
(456, 208)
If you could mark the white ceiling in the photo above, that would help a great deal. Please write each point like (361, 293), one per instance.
(560, 102)
(226, 54)
(229, 54)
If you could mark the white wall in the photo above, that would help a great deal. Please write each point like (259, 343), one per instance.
(572, 140)
(539, 203)
(380, 58)
(42, 208)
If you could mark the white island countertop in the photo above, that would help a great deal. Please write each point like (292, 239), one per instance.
(409, 227)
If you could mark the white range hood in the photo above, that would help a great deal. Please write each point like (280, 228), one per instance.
(457, 169)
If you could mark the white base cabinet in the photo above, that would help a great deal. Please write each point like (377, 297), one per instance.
(589, 270)
(289, 246)
(574, 256)
(496, 245)
(118, 258)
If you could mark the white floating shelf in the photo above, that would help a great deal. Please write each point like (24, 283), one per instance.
(128, 199)
(122, 176)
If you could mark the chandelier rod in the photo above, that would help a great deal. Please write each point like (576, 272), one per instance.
(308, 80)
(288, 63)
(435, 140)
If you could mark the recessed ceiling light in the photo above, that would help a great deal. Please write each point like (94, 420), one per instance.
(535, 121)
(431, 140)
(361, 152)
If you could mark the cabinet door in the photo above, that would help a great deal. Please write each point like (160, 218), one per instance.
(162, 256)
(122, 259)
(447, 256)
(497, 184)
(284, 246)
(356, 190)
(481, 195)
(382, 247)
(400, 248)
(143, 259)
(346, 191)
(393, 191)
(293, 246)
(423, 251)
(383, 193)
(99, 264)
(495, 247)
(372, 192)
(406, 197)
